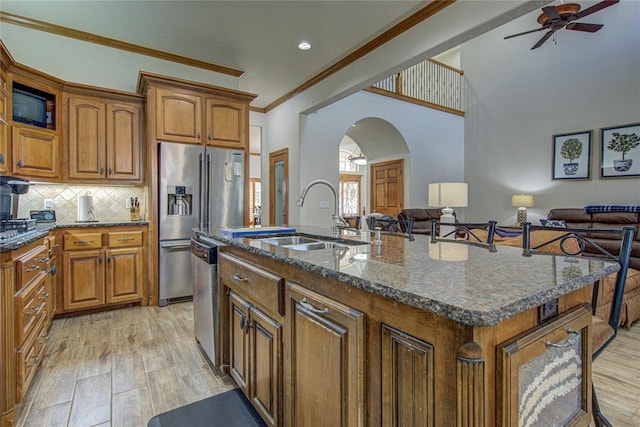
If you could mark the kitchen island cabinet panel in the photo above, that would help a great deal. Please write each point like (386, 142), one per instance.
(239, 340)
(326, 344)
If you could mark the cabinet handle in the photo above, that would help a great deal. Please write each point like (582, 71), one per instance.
(82, 242)
(32, 268)
(568, 342)
(100, 260)
(57, 245)
(43, 260)
(110, 171)
(239, 278)
(20, 164)
(33, 311)
(108, 258)
(242, 320)
(1, 159)
(311, 308)
(210, 137)
(44, 297)
(198, 135)
(44, 339)
(247, 325)
(125, 239)
(101, 171)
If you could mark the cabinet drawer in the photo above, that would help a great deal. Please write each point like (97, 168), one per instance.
(29, 308)
(124, 239)
(261, 286)
(82, 241)
(30, 265)
(29, 358)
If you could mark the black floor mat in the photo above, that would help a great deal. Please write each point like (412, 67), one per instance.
(227, 409)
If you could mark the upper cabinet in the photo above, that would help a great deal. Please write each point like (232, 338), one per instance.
(103, 139)
(195, 113)
(35, 153)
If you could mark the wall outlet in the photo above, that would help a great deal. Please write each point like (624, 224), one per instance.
(127, 203)
(48, 204)
(324, 204)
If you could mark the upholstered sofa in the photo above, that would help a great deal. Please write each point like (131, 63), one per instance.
(579, 217)
(421, 218)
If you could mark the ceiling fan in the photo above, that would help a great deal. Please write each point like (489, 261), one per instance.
(554, 18)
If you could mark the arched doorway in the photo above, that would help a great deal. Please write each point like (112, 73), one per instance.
(384, 176)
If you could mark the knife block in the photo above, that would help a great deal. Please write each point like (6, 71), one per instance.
(135, 213)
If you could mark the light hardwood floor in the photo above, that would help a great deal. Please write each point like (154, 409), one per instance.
(120, 368)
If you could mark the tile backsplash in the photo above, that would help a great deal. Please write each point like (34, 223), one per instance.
(108, 202)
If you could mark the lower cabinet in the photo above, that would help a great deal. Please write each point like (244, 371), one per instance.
(256, 356)
(102, 267)
(326, 352)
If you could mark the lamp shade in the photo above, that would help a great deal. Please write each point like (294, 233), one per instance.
(522, 200)
(448, 194)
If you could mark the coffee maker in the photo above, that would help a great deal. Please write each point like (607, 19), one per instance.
(10, 190)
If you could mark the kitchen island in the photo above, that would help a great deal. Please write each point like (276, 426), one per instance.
(406, 332)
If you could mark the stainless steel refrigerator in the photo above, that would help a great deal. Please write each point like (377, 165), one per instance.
(199, 188)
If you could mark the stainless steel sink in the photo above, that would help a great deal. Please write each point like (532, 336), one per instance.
(305, 243)
(288, 240)
(316, 246)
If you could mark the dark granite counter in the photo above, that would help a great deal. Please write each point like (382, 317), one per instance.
(42, 230)
(465, 283)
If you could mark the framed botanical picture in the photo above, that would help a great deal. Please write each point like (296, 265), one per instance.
(620, 151)
(572, 155)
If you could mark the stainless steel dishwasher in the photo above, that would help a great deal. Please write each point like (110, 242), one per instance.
(206, 299)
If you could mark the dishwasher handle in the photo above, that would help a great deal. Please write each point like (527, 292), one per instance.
(175, 245)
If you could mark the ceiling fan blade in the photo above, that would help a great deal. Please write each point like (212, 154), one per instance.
(543, 39)
(596, 7)
(526, 32)
(552, 13)
(587, 28)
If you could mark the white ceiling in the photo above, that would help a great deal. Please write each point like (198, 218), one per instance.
(258, 37)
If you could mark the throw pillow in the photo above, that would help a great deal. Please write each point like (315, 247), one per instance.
(553, 223)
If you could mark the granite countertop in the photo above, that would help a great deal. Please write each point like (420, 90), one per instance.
(41, 231)
(465, 283)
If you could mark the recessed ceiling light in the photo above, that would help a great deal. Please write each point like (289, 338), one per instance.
(304, 45)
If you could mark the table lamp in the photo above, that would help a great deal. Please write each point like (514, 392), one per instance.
(522, 202)
(450, 195)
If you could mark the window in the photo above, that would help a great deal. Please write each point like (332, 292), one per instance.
(347, 165)
(350, 194)
(255, 198)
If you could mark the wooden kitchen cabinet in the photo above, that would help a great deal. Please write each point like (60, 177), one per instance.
(104, 139)
(25, 306)
(226, 123)
(102, 267)
(84, 276)
(255, 336)
(196, 113)
(178, 116)
(326, 356)
(35, 152)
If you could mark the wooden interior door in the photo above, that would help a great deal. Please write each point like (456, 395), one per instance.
(278, 187)
(387, 187)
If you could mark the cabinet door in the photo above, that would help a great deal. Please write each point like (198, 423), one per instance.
(4, 132)
(239, 340)
(326, 344)
(226, 123)
(124, 275)
(35, 152)
(178, 116)
(265, 366)
(543, 375)
(123, 142)
(86, 138)
(83, 279)
(4, 149)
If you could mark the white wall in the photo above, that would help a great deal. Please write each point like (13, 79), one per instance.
(76, 61)
(519, 98)
(435, 141)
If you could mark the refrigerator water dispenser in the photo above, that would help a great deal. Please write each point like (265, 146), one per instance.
(179, 200)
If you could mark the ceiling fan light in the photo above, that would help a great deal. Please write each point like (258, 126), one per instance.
(358, 160)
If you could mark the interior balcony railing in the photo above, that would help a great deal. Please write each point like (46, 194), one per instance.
(429, 83)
